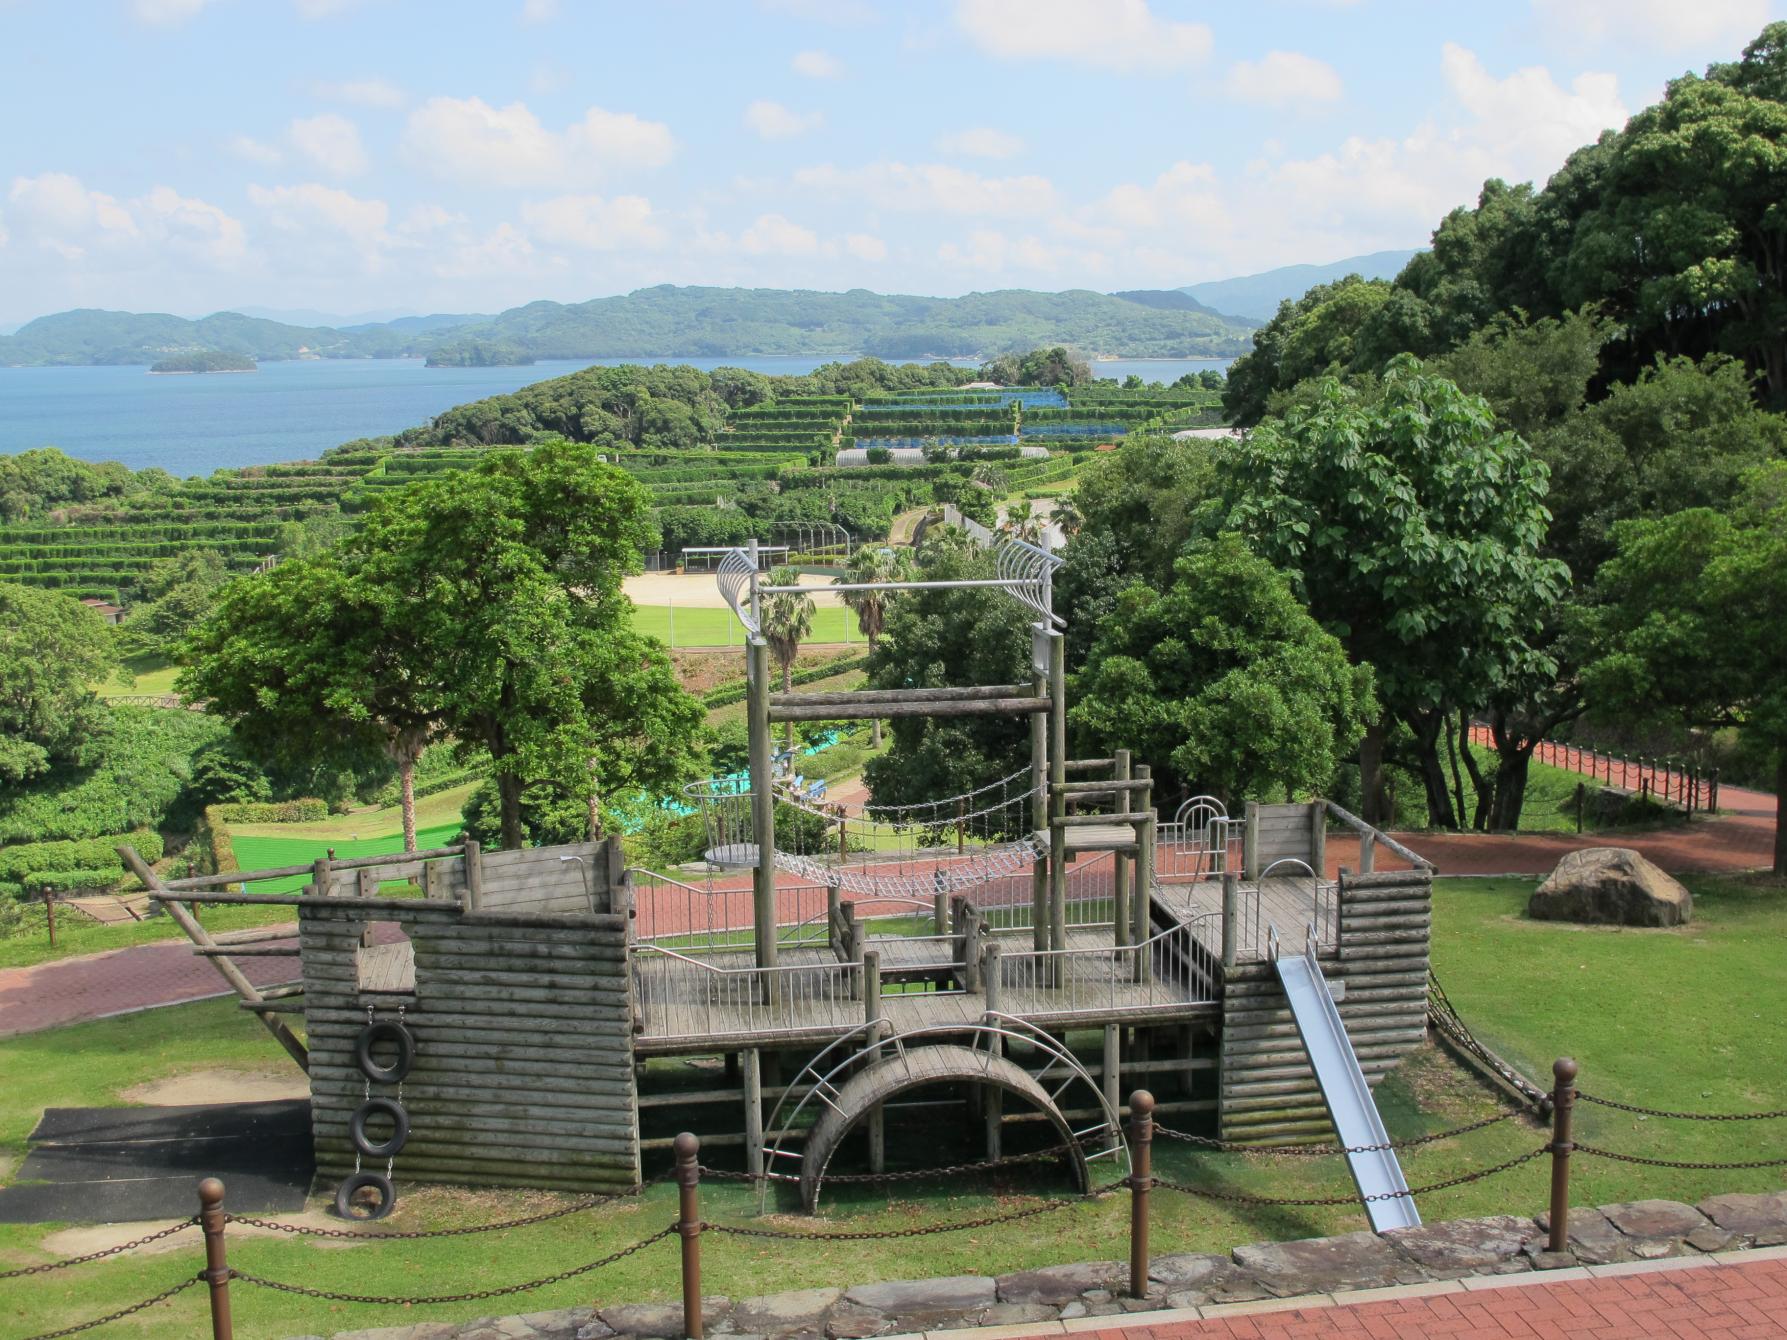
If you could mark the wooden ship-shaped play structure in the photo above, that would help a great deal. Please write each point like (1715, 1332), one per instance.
(1009, 959)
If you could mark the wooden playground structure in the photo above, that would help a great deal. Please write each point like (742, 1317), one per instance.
(1016, 958)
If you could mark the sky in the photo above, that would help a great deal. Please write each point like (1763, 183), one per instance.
(383, 156)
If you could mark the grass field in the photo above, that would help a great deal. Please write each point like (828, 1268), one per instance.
(1675, 1019)
(696, 627)
(145, 677)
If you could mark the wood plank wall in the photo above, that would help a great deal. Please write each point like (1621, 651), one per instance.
(1268, 1093)
(524, 1065)
(1277, 832)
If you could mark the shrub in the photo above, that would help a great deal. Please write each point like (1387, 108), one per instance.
(879, 455)
(306, 810)
(87, 854)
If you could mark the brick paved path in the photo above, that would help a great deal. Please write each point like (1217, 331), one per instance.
(1744, 1300)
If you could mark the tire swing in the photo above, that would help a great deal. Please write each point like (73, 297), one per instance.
(376, 1032)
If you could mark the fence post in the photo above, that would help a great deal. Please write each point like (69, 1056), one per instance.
(1231, 912)
(217, 1267)
(1141, 1177)
(1563, 1100)
(1712, 793)
(49, 912)
(688, 1225)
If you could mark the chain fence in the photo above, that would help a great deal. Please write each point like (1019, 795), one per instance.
(122, 1247)
(1246, 1198)
(1329, 1151)
(545, 1216)
(1776, 1115)
(1581, 1148)
(502, 1291)
(921, 1231)
(904, 1175)
(121, 1313)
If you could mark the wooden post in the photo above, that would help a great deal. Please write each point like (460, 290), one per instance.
(1367, 853)
(1141, 905)
(989, 976)
(871, 993)
(1318, 838)
(49, 912)
(217, 1267)
(763, 804)
(319, 875)
(1141, 1178)
(1231, 916)
(1113, 1048)
(940, 913)
(1057, 775)
(961, 838)
(1563, 1100)
(225, 968)
(753, 1112)
(1040, 775)
(474, 874)
(1250, 842)
(1119, 860)
(688, 1224)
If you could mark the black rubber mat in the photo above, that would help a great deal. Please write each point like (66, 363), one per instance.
(110, 1164)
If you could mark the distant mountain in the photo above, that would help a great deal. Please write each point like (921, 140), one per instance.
(1257, 296)
(1170, 300)
(305, 316)
(668, 323)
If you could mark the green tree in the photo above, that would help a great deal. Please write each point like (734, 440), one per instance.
(1687, 623)
(1323, 333)
(169, 600)
(1222, 683)
(53, 650)
(786, 620)
(873, 563)
(1414, 530)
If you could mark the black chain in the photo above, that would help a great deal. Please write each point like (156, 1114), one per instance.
(1677, 1163)
(577, 1207)
(1323, 1151)
(479, 1296)
(1239, 1198)
(134, 1243)
(121, 1313)
(1776, 1115)
(1010, 1216)
(908, 1175)
(1445, 1017)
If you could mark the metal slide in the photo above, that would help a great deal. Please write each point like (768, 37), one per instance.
(1355, 1116)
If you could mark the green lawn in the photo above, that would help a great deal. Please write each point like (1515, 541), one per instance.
(695, 627)
(152, 676)
(270, 853)
(1673, 1019)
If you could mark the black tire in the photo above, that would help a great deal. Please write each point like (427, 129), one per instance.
(385, 1031)
(344, 1195)
(393, 1109)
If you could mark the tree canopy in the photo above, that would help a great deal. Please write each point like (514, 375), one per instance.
(53, 650)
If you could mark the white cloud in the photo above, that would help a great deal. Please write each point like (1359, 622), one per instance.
(61, 215)
(933, 187)
(1186, 195)
(322, 9)
(361, 92)
(865, 247)
(774, 235)
(1664, 24)
(1526, 118)
(306, 208)
(988, 251)
(167, 13)
(252, 150)
(1281, 77)
(817, 65)
(980, 142)
(773, 121)
(469, 141)
(594, 223)
(539, 11)
(1106, 34)
(65, 217)
(331, 142)
(838, 13)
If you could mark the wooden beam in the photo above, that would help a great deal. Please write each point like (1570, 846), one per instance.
(227, 970)
(887, 709)
(945, 695)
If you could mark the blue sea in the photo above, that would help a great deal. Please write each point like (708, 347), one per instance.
(192, 425)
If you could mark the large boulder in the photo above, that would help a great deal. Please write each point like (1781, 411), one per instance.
(1612, 886)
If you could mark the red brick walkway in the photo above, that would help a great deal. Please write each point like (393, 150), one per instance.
(1744, 1300)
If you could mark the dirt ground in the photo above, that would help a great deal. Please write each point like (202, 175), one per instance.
(700, 671)
(219, 1086)
(698, 590)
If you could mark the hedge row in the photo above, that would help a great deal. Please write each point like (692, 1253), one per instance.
(28, 858)
(734, 692)
(308, 810)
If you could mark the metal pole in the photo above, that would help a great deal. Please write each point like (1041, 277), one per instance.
(1563, 1099)
(1120, 861)
(217, 1267)
(1039, 818)
(688, 1224)
(763, 804)
(1058, 774)
(1141, 905)
(1141, 1177)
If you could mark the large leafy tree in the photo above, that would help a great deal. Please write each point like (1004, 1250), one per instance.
(1222, 682)
(171, 599)
(1414, 530)
(53, 650)
(1687, 623)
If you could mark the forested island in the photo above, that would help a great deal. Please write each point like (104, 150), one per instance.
(205, 360)
(479, 354)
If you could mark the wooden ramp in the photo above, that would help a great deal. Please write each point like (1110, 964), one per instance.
(915, 1067)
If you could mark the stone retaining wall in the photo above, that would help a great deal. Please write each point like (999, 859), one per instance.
(1645, 1230)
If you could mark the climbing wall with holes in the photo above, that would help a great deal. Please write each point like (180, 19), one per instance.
(522, 1029)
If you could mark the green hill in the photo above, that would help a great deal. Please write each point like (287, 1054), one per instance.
(670, 322)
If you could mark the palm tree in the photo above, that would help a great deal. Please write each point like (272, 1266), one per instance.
(786, 619)
(873, 564)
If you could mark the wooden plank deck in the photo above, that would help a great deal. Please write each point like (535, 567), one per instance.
(1289, 904)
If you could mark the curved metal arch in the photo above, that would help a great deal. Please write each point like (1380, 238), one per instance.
(817, 1082)
(1200, 804)
(736, 573)
(1289, 860)
(1033, 569)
